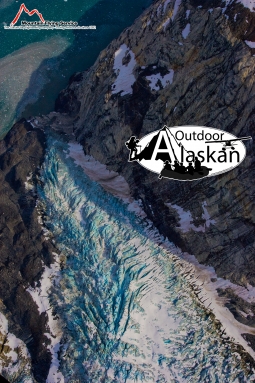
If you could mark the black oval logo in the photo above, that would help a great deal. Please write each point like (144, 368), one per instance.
(187, 153)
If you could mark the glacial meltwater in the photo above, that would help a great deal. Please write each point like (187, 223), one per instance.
(123, 308)
(35, 65)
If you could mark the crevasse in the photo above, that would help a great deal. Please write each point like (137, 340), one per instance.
(126, 313)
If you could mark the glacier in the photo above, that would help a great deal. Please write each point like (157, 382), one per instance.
(124, 306)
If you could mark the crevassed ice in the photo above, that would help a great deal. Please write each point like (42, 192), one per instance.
(127, 313)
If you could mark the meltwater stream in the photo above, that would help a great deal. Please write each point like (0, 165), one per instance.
(126, 313)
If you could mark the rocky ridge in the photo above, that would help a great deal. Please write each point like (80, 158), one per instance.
(24, 248)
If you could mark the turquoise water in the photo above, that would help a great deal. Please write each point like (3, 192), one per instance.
(36, 65)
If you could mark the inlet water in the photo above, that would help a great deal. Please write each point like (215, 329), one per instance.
(36, 65)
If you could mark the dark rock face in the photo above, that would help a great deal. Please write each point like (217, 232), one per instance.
(213, 85)
(241, 310)
(24, 250)
(67, 102)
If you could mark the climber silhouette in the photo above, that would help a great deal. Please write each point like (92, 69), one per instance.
(132, 145)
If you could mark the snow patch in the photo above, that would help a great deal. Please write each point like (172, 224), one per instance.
(186, 218)
(125, 78)
(159, 9)
(165, 24)
(251, 44)
(14, 352)
(40, 295)
(208, 220)
(28, 183)
(186, 31)
(155, 80)
(249, 4)
(166, 4)
(246, 3)
(176, 7)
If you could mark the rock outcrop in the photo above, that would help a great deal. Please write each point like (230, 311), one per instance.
(24, 250)
(180, 63)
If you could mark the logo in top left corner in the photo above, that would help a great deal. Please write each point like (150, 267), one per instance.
(41, 23)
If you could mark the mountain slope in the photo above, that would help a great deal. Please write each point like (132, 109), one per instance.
(181, 63)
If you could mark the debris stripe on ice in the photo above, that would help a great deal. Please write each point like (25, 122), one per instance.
(111, 181)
